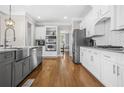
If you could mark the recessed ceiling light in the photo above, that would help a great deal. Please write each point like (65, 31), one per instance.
(38, 17)
(65, 17)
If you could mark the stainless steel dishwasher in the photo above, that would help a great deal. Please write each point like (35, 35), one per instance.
(36, 57)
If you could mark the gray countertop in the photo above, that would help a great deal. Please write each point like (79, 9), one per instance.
(116, 50)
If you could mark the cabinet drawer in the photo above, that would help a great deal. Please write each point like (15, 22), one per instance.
(7, 56)
(111, 56)
(2, 57)
(121, 59)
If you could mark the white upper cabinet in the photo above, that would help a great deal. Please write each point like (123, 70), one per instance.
(102, 11)
(117, 22)
(82, 25)
(100, 28)
(40, 33)
(98, 14)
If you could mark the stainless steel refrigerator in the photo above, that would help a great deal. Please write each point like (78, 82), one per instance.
(79, 39)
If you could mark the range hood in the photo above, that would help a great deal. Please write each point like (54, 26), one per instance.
(103, 19)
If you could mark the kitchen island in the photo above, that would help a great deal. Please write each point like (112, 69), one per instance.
(17, 63)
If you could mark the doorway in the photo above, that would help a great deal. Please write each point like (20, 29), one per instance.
(64, 42)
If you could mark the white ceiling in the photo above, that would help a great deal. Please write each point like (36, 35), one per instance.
(50, 13)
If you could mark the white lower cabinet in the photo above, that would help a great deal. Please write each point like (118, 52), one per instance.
(112, 74)
(107, 67)
(120, 75)
(94, 63)
(108, 73)
(97, 64)
(112, 70)
(83, 56)
(90, 60)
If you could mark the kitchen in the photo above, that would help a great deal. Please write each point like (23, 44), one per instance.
(52, 47)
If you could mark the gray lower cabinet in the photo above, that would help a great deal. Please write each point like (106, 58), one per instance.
(21, 70)
(6, 68)
(6, 75)
(18, 74)
(26, 66)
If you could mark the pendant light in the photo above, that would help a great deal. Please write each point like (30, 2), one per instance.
(9, 22)
(9, 26)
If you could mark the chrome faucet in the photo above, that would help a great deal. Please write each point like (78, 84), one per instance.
(14, 38)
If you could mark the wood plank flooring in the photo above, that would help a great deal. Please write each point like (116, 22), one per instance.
(62, 72)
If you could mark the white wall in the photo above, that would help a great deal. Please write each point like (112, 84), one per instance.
(20, 30)
(2, 27)
(70, 41)
(29, 20)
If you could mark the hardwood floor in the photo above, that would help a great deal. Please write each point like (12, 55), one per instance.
(62, 72)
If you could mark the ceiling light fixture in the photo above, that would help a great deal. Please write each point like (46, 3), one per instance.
(65, 17)
(9, 26)
(38, 17)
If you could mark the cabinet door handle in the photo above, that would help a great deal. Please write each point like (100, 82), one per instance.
(114, 69)
(118, 72)
(91, 58)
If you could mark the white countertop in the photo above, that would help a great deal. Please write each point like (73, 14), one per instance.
(105, 49)
(2, 50)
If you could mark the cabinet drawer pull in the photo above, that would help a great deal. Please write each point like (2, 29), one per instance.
(114, 69)
(118, 73)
